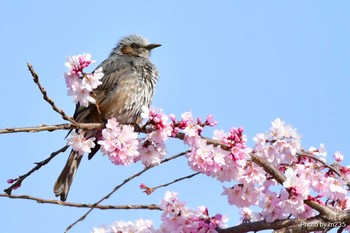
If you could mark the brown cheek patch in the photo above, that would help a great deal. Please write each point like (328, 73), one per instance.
(127, 50)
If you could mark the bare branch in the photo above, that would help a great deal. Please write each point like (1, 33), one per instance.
(37, 167)
(305, 154)
(46, 98)
(121, 185)
(50, 128)
(80, 205)
(149, 190)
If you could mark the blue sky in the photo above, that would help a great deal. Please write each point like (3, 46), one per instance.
(245, 62)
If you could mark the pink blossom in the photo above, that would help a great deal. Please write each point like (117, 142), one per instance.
(271, 210)
(297, 182)
(102, 229)
(76, 64)
(81, 84)
(138, 226)
(157, 118)
(335, 188)
(189, 125)
(170, 204)
(119, 143)
(92, 81)
(81, 95)
(177, 217)
(242, 195)
(338, 156)
(151, 152)
(291, 201)
(246, 215)
(281, 143)
(252, 174)
(80, 144)
(319, 152)
(152, 148)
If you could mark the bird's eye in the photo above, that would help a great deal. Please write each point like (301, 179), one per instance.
(133, 45)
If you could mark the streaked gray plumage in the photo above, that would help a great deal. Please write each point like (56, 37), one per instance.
(128, 84)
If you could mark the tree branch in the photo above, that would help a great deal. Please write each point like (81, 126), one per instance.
(51, 128)
(149, 190)
(80, 205)
(20, 179)
(46, 98)
(318, 223)
(308, 155)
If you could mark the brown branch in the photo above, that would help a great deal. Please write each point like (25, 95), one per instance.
(46, 98)
(121, 185)
(317, 223)
(268, 168)
(20, 179)
(260, 225)
(149, 190)
(305, 154)
(36, 129)
(80, 205)
(51, 128)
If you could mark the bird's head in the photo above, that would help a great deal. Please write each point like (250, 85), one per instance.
(134, 45)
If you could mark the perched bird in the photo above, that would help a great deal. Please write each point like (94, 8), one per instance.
(128, 84)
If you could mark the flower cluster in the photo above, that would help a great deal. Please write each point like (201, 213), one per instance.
(209, 159)
(306, 178)
(279, 145)
(177, 217)
(80, 144)
(152, 147)
(81, 84)
(138, 226)
(120, 143)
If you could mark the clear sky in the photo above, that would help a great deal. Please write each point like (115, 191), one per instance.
(245, 62)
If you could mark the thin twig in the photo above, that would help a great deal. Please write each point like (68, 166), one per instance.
(121, 185)
(51, 128)
(80, 205)
(46, 98)
(305, 154)
(37, 167)
(149, 190)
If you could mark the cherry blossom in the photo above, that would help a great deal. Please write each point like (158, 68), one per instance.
(119, 143)
(80, 144)
(81, 84)
(138, 226)
(177, 217)
(338, 157)
(246, 215)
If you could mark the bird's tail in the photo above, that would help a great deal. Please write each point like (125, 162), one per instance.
(64, 181)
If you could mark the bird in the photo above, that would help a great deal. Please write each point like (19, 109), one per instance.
(128, 84)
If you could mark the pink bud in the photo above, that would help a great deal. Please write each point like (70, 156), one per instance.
(10, 181)
(172, 117)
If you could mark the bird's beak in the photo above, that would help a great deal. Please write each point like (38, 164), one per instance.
(152, 46)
